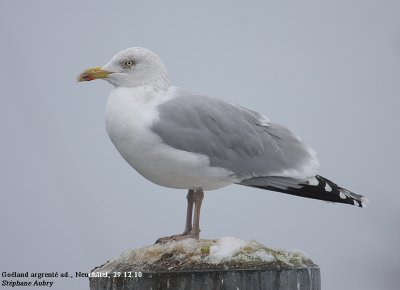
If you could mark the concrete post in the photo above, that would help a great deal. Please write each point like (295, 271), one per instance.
(207, 265)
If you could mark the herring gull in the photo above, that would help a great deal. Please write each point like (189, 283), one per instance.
(181, 139)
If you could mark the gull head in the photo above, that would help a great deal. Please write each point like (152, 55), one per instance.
(131, 67)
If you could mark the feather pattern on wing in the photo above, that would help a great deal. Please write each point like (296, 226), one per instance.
(232, 137)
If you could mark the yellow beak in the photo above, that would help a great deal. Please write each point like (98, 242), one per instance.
(93, 73)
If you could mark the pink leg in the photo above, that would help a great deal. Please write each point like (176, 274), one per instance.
(194, 198)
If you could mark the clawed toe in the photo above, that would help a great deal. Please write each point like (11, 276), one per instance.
(179, 237)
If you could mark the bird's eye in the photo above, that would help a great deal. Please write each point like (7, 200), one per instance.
(128, 63)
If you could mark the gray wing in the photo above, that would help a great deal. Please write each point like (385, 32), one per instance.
(234, 138)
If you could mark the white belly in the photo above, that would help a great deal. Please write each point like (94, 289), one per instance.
(128, 122)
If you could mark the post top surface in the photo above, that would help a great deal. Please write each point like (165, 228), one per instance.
(226, 253)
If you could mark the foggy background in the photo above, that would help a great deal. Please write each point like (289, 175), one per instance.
(328, 70)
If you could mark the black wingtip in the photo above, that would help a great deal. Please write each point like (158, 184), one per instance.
(316, 187)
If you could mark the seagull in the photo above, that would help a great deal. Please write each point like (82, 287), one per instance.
(181, 139)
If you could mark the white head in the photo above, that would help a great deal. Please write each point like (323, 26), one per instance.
(132, 67)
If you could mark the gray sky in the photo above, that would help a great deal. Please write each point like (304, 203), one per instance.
(328, 70)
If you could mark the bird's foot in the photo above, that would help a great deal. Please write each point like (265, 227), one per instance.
(179, 237)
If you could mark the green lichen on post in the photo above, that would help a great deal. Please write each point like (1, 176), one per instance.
(205, 250)
(205, 246)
